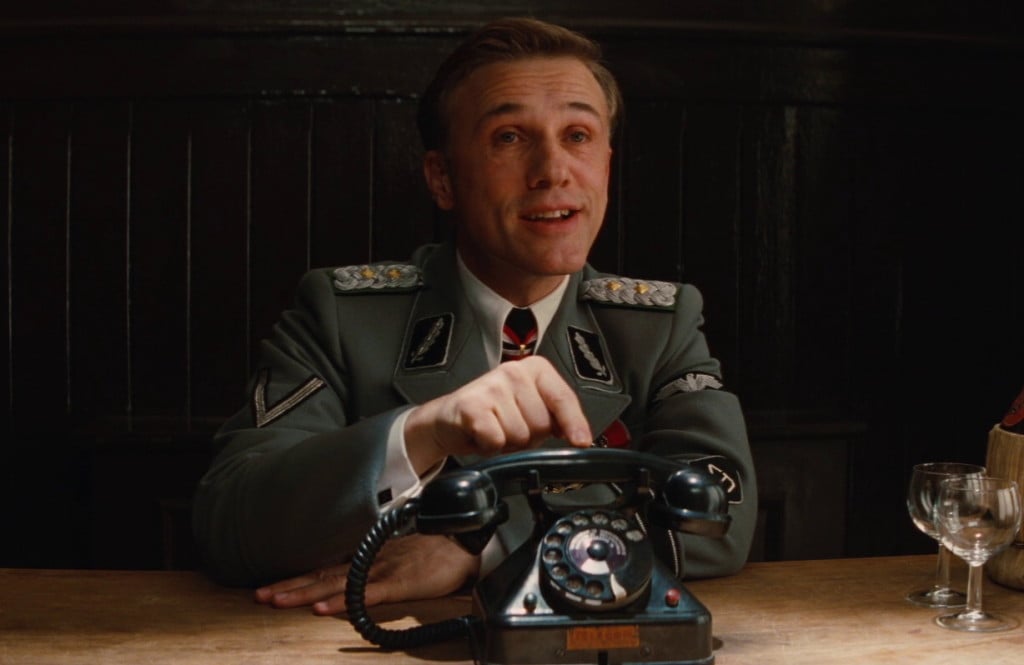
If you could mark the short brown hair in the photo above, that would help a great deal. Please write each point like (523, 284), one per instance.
(508, 40)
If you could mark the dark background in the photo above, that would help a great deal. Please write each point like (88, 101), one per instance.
(842, 180)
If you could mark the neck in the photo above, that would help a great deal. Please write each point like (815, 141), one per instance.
(523, 290)
(524, 295)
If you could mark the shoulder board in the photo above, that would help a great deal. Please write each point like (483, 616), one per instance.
(377, 277)
(629, 292)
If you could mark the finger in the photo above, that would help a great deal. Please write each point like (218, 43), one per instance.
(488, 416)
(485, 432)
(564, 406)
(516, 427)
(329, 583)
(331, 606)
(535, 416)
(265, 593)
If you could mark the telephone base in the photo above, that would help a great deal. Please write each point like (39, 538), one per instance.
(627, 642)
(653, 631)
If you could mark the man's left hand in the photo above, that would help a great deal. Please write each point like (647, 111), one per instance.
(414, 567)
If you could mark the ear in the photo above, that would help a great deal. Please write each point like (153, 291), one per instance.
(435, 170)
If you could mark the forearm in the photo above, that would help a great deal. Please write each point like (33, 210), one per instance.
(281, 502)
(707, 428)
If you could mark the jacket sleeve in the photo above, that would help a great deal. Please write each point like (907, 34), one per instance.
(691, 416)
(293, 486)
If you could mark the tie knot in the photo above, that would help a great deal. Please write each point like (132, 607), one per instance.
(519, 335)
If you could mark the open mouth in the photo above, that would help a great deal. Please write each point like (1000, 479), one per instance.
(550, 215)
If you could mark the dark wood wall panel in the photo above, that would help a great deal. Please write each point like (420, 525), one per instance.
(98, 273)
(844, 184)
(6, 186)
(710, 225)
(825, 160)
(158, 264)
(652, 191)
(767, 253)
(40, 161)
(343, 181)
(218, 259)
(279, 240)
(402, 209)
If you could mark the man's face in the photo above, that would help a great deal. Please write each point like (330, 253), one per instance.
(525, 172)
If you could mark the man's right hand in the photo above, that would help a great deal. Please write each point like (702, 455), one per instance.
(515, 406)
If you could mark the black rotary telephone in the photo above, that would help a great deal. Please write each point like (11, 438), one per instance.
(586, 587)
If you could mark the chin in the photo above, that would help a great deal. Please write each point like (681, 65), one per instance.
(555, 268)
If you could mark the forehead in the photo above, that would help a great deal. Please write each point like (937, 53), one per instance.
(562, 83)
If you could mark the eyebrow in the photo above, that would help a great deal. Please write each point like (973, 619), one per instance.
(513, 107)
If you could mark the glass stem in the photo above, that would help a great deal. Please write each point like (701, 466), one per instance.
(974, 586)
(942, 570)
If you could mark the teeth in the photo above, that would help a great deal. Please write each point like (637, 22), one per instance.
(554, 214)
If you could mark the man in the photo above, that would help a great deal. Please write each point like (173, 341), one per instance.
(382, 373)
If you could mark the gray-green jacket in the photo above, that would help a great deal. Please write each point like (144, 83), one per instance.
(294, 485)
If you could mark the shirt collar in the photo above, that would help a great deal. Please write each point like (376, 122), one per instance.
(491, 309)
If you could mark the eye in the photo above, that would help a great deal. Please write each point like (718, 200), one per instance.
(578, 136)
(507, 136)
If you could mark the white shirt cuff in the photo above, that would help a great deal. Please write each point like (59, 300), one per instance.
(398, 480)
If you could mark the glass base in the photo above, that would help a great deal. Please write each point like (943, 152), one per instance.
(977, 622)
(937, 597)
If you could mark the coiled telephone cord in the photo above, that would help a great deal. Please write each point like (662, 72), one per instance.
(355, 592)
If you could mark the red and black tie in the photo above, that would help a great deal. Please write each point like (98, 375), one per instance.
(519, 335)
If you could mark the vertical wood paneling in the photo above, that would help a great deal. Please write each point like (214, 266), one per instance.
(341, 226)
(6, 117)
(992, 199)
(880, 207)
(822, 255)
(957, 271)
(403, 212)
(218, 277)
(279, 241)
(876, 273)
(653, 191)
(39, 362)
(766, 279)
(940, 311)
(98, 253)
(158, 265)
(711, 225)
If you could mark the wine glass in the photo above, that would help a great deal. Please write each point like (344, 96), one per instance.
(977, 518)
(921, 495)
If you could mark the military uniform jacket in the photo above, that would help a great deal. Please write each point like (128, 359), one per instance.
(294, 484)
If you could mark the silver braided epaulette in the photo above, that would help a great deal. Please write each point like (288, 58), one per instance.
(631, 292)
(377, 277)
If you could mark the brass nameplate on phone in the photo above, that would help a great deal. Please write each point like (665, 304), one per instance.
(602, 637)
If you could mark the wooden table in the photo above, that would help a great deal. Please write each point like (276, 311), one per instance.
(832, 611)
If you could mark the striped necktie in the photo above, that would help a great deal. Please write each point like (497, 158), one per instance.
(519, 334)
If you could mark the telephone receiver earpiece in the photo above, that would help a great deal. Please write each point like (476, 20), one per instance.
(691, 501)
(464, 504)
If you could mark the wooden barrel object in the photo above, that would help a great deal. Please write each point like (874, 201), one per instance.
(1006, 460)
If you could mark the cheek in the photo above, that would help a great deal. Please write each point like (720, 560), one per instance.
(596, 168)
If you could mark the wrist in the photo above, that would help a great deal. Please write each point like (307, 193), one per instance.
(420, 446)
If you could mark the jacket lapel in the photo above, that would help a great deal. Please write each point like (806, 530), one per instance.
(576, 347)
(442, 349)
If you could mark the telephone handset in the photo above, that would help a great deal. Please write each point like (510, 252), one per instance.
(587, 586)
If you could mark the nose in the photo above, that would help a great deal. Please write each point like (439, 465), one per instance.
(549, 165)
